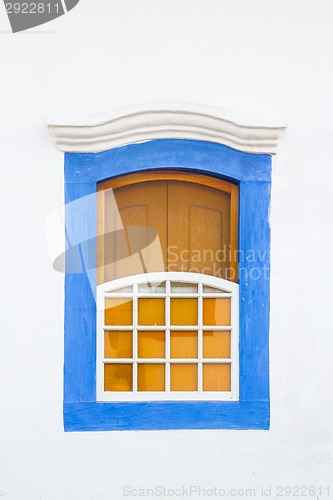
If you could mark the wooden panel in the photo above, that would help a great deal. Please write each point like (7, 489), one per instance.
(198, 229)
(109, 225)
(216, 312)
(233, 264)
(183, 344)
(205, 239)
(151, 377)
(151, 344)
(216, 344)
(118, 344)
(118, 312)
(216, 377)
(118, 377)
(183, 311)
(132, 249)
(134, 216)
(184, 377)
(151, 312)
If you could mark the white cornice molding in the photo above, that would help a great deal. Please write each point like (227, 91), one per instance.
(144, 123)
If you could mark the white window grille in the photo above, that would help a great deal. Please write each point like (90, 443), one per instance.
(216, 303)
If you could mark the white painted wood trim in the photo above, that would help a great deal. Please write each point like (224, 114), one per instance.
(164, 121)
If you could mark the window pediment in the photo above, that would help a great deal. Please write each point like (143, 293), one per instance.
(168, 121)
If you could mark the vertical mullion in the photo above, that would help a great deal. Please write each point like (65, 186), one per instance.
(167, 336)
(200, 336)
(135, 337)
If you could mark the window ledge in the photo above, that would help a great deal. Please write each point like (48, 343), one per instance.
(166, 415)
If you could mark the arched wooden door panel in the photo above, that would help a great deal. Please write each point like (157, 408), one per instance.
(167, 221)
(142, 206)
(198, 228)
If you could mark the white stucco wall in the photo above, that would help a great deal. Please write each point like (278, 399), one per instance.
(269, 58)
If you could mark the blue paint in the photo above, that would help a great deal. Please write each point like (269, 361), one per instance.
(254, 274)
(167, 415)
(207, 157)
(253, 173)
(80, 307)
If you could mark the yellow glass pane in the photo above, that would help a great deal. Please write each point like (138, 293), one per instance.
(151, 344)
(118, 377)
(151, 312)
(118, 312)
(216, 344)
(117, 344)
(184, 377)
(183, 311)
(183, 344)
(216, 312)
(151, 377)
(216, 377)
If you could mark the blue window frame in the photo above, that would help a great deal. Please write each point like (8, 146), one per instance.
(253, 174)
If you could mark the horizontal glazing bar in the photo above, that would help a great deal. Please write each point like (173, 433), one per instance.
(171, 360)
(111, 295)
(186, 328)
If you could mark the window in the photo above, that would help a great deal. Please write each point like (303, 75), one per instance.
(173, 334)
(86, 404)
(204, 146)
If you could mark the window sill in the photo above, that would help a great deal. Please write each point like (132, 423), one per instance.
(166, 415)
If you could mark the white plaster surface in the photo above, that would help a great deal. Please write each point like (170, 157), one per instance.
(262, 58)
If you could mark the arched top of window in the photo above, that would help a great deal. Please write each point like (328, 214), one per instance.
(155, 283)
